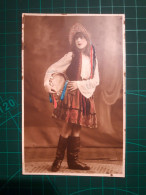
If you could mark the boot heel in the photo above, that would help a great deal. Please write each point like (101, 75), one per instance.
(73, 148)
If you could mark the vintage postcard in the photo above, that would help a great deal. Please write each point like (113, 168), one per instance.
(73, 94)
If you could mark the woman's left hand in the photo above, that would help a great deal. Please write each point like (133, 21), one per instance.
(72, 85)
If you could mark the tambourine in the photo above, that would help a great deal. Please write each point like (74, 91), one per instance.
(58, 84)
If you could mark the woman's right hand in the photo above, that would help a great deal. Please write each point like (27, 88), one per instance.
(49, 86)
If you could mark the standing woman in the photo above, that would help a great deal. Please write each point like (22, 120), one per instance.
(77, 109)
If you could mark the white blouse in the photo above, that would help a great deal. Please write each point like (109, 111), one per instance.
(86, 67)
(86, 86)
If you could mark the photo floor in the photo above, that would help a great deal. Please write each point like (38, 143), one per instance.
(100, 160)
(96, 167)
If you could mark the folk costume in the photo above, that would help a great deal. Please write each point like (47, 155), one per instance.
(77, 107)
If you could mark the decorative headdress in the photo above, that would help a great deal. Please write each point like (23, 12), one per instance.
(75, 29)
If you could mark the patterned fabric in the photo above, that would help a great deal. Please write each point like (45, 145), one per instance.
(77, 109)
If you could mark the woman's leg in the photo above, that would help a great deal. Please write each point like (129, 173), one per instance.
(76, 129)
(62, 144)
(73, 149)
(66, 130)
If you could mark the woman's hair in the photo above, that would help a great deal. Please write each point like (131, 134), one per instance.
(74, 48)
(74, 70)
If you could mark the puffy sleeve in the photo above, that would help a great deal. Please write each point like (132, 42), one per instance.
(59, 66)
(87, 87)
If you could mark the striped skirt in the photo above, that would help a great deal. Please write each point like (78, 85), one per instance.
(77, 109)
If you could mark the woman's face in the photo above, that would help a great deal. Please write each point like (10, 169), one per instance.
(80, 42)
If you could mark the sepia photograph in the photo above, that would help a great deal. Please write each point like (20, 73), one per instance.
(73, 94)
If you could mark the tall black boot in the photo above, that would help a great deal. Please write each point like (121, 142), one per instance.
(73, 148)
(62, 144)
